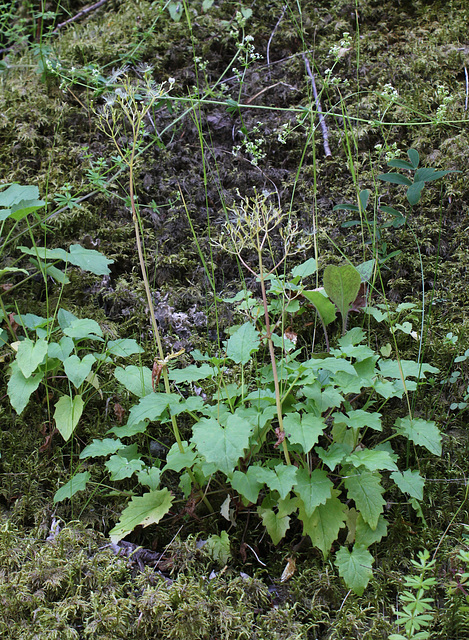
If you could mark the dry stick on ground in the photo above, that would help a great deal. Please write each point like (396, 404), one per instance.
(272, 35)
(467, 87)
(322, 121)
(80, 14)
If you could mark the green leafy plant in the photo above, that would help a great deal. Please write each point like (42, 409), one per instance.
(417, 609)
(176, 8)
(45, 360)
(37, 357)
(397, 218)
(323, 413)
(420, 176)
(457, 588)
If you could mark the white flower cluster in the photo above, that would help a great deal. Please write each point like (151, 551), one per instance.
(389, 92)
(391, 153)
(337, 51)
(446, 99)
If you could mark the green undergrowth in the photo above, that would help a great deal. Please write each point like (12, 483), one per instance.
(234, 116)
(75, 586)
(70, 583)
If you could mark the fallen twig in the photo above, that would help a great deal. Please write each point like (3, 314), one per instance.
(322, 121)
(81, 13)
(272, 35)
(467, 88)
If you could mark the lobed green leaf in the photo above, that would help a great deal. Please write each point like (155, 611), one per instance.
(355, 567)
(222, 445)
(409, 481)
(364, 487)
(242, 343)
(324, 524)
(313, 488)
(422, 432)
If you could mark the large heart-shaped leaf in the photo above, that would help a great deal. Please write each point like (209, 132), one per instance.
(67, 414)
(77, 370)
(342, 285)
(222, 445)
(355, 567)
(30, 355)
(19, 388)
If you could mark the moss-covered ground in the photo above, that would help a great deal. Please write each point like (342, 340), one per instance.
(200, 153)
